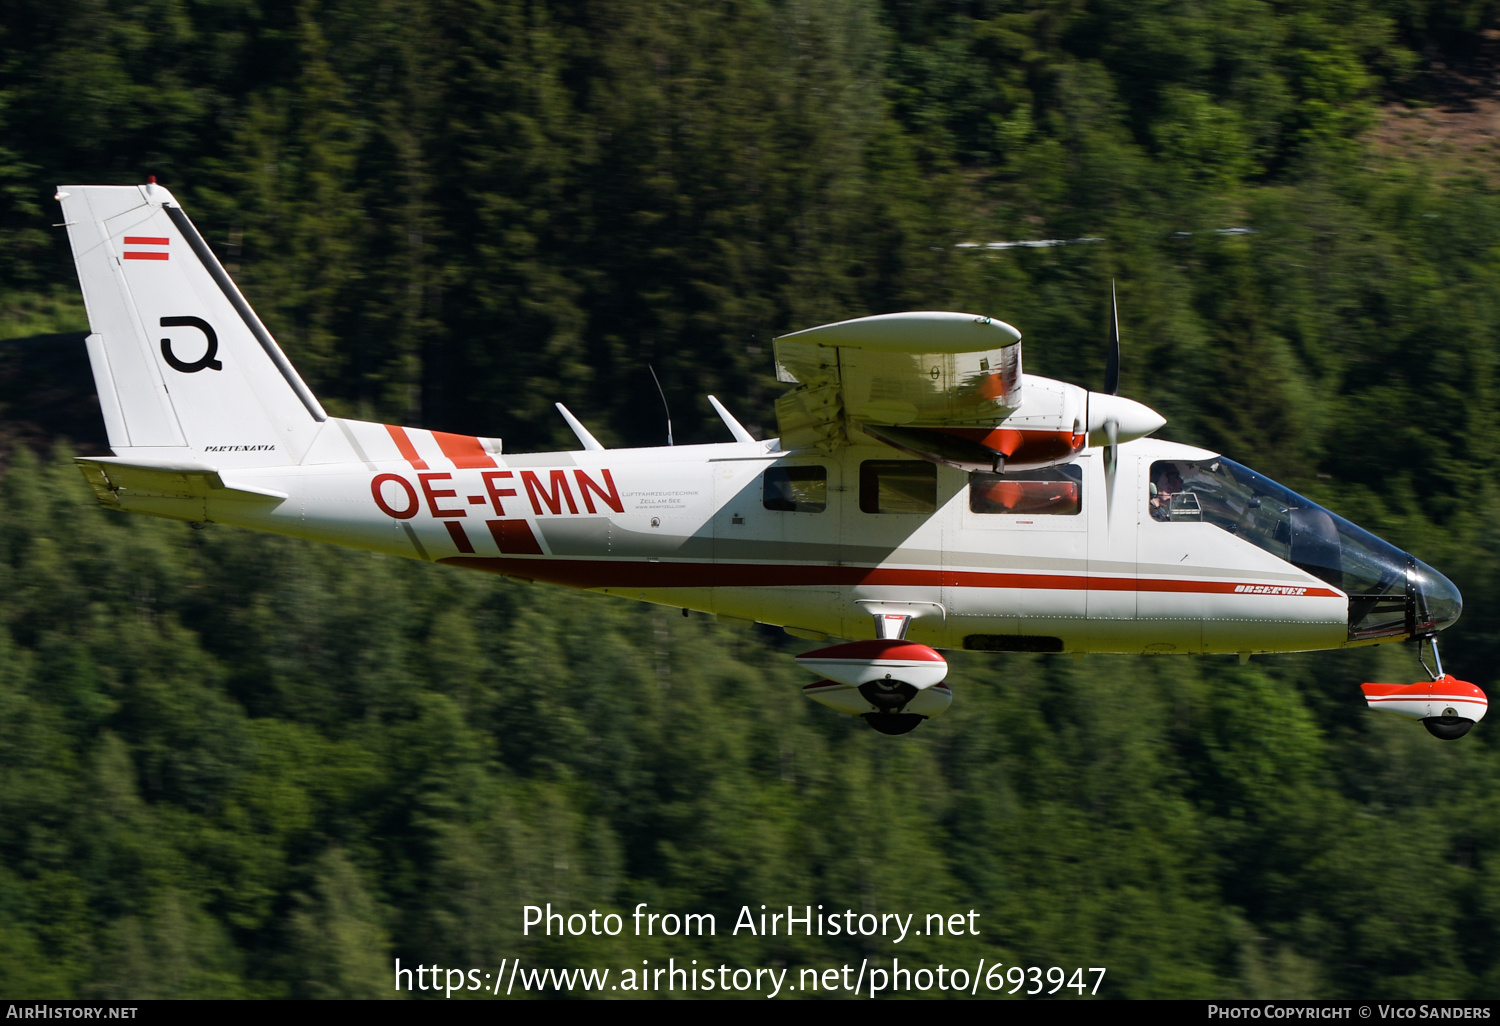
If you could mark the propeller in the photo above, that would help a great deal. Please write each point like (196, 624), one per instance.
(1113, 419)
(1112, 360)
(1111, 462)
(1112, 386)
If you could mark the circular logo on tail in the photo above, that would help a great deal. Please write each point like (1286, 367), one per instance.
(206, 360)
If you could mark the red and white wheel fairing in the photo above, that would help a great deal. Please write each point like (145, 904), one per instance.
(1426, 699)
(860, 662)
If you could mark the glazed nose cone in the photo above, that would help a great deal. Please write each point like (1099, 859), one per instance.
(1438, 603)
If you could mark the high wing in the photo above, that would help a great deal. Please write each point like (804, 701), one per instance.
(919, 369)
(947, 387)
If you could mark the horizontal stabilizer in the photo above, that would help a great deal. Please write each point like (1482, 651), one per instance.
(179, 490)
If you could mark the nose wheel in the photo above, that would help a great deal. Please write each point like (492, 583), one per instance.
(1448, 707)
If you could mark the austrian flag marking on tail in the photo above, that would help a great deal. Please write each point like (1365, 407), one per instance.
(146, 240)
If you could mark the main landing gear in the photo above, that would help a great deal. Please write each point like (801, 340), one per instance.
(891, 683)
(1448, 707)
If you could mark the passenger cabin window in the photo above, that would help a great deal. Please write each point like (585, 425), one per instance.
(898, 486)
(796, 489)
(1056, 491)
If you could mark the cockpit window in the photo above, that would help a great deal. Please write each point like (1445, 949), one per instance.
(1250, 506)
(1234, 498)
(1056, 491)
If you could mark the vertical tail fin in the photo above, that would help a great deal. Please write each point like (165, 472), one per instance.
(185, 369)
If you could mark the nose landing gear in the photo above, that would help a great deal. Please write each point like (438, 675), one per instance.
(1448, 707)
(1449, 726)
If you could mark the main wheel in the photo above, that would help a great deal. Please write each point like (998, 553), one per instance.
(1448, 728)
(888, 696)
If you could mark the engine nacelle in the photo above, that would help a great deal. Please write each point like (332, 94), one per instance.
(1447, 706)
(879, 659)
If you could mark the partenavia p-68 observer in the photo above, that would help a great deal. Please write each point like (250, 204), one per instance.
(924, 493)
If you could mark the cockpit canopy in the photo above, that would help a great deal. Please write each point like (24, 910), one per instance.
(1390, 592)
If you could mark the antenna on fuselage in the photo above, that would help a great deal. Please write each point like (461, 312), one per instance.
(663, 401)
(584, 436)
(735, 427)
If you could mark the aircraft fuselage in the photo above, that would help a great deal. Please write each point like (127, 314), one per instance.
(695, 527)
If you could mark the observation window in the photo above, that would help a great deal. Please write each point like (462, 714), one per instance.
(1055, 491)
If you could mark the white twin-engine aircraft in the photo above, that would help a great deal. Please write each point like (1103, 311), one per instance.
(924, 494)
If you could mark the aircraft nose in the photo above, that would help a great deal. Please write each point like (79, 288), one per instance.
(1438, 603)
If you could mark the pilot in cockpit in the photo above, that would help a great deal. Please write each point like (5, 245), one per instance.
(1166, 482)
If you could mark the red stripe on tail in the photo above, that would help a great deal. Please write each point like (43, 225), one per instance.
(407, 450)
(464, 450)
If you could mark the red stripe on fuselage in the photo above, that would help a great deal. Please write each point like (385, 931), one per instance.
(514, 536)
(464, 450)
(404, 446)
(459, 535)
(132, 255)
(584, 573)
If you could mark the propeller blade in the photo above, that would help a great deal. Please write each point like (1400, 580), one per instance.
(1112, 361)
(1111, 464)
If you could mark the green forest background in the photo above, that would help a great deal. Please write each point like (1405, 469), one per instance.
(240, 765)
